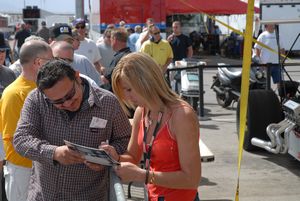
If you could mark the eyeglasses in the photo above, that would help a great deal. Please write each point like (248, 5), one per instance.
(80, 27)
(46, 59)
(156, 33)
(2, 51)
(68, 60)
(67, 97)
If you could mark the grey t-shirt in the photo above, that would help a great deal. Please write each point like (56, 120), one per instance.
(16, 68)
(84, 66)
(7, 76)
(107, 54)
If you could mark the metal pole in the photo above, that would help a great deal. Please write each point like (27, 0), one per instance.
(269, 76)
(79, 9)
(201, 92)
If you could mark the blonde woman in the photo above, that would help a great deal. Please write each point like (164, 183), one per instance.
(165, 130)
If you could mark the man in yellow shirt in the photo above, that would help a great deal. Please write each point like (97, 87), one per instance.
(17, 171)
(159, 49)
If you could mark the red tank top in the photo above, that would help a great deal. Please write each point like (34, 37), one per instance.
(164, 158)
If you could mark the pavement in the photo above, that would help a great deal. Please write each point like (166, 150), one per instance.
(264, 176)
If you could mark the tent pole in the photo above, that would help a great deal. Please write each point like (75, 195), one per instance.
(228, 23)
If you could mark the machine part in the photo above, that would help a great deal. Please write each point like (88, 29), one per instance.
(224, 99)
(277, 143)
(289, 142)
(190, 87)
(190, 82)
(294, 144)
(227, 83)
(263, 109)
(223, 96)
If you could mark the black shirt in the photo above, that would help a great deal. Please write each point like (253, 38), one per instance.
(180, 45)
(21, 36)
(7, 76)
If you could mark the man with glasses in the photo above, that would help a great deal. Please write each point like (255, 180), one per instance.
(16, 66)
(159, 49)
(67, 107)
(87, 46)
(17, 171)
(65, 51)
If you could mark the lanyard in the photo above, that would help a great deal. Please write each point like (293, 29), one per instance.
(147, 154)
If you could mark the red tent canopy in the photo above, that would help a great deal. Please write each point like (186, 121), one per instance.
(214, 7)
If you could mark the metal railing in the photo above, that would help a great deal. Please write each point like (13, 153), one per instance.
(200, 76)
(116, 192)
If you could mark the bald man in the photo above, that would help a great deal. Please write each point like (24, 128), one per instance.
(65, 51)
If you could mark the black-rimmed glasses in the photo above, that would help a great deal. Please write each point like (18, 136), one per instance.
(67, 97)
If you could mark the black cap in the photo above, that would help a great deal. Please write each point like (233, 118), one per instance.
(60, 31)
(3, 45)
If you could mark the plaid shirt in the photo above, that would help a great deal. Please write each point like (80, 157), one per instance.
(42, 128)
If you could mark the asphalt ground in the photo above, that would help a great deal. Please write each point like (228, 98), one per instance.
(264, 176)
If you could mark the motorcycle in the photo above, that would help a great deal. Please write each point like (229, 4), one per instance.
(227, 83)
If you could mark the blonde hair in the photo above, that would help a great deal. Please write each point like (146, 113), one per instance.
(145, 77)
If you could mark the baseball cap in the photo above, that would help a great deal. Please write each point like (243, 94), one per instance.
(61, 32)
(3, 45)
(78, 21)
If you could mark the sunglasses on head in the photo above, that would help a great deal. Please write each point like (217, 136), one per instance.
(80, 27)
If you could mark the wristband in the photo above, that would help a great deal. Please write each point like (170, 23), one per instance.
(147, 175)
(152, 179)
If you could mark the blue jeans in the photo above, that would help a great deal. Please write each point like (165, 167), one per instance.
(276, 73)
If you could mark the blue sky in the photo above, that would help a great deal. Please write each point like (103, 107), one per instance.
(56, 6)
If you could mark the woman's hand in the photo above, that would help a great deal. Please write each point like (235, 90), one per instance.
(130, 172)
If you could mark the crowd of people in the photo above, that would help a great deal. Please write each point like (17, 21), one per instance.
(61, 85)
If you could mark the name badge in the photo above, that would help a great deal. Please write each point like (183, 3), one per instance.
(98, 123)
